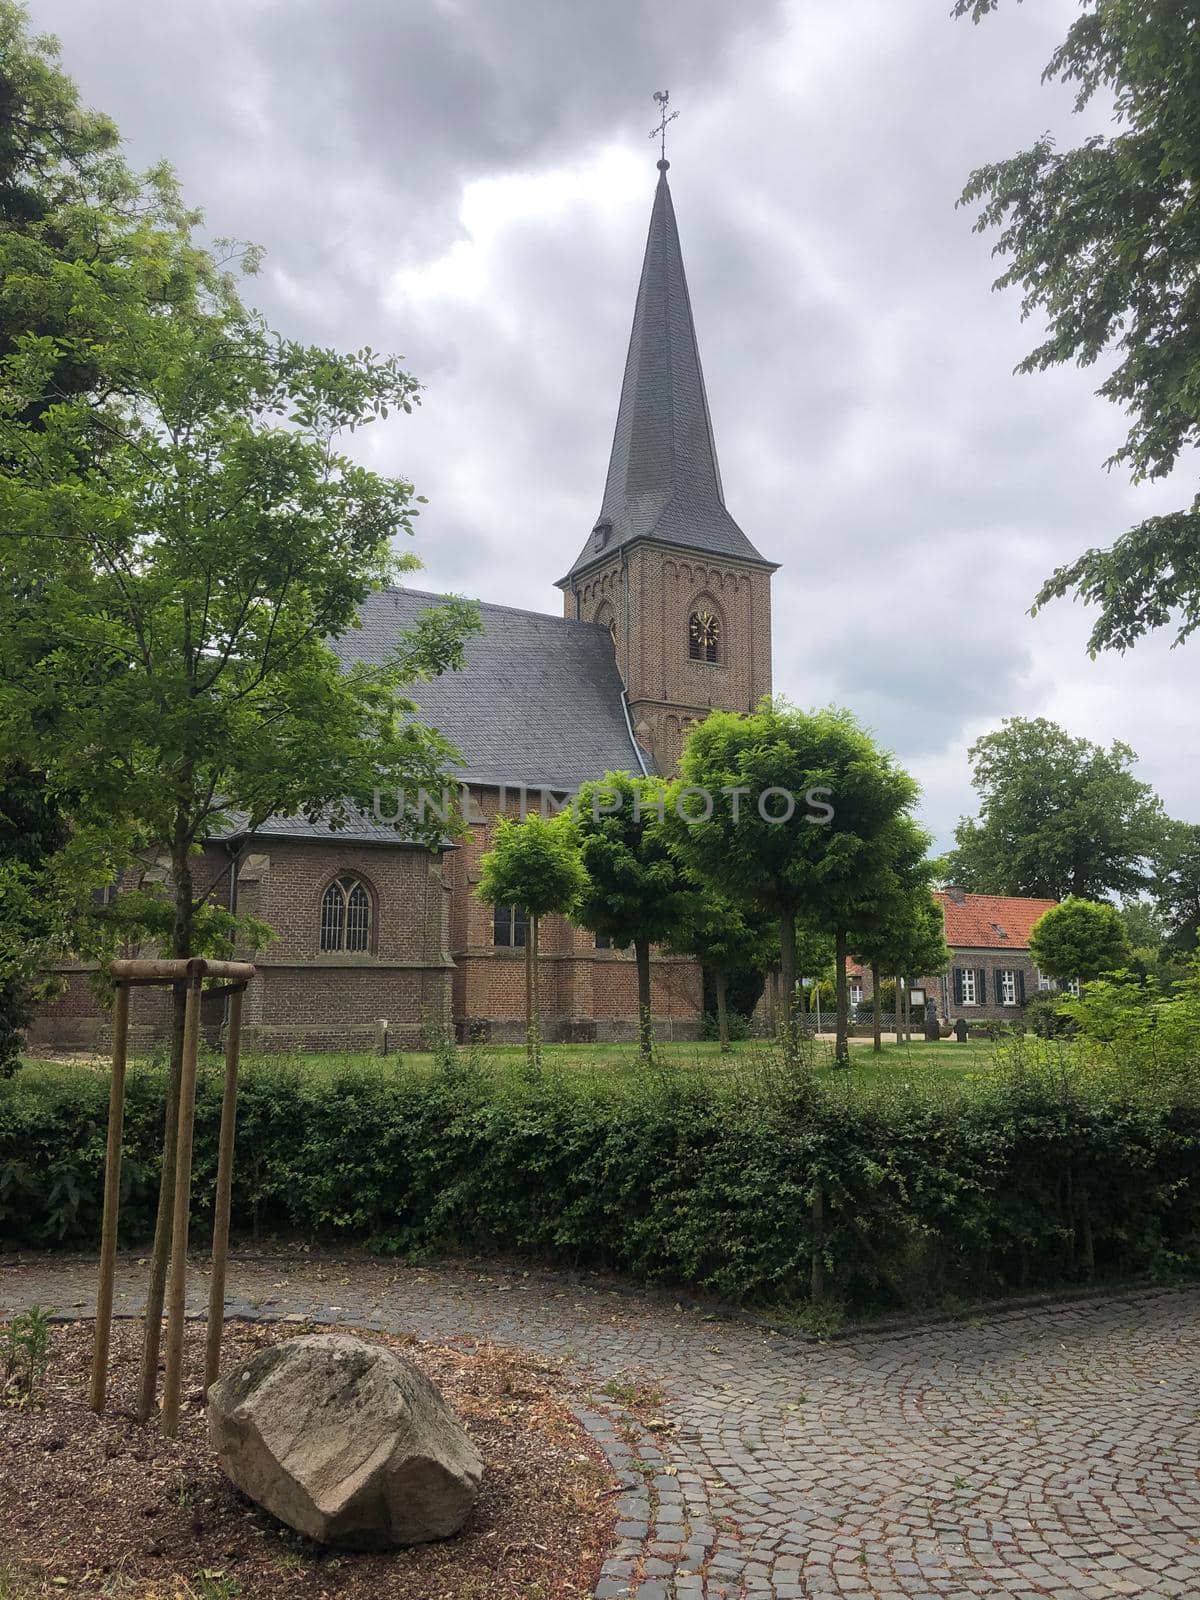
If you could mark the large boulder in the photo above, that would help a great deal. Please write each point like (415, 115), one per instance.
(344, 1441)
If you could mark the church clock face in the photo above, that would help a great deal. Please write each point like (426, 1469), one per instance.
(704, 636)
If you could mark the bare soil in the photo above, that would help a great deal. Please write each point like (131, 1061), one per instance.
(94, 1506)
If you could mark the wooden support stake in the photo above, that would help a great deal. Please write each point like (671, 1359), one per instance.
(112, 1202)
(220, 1246)
(177, 1296)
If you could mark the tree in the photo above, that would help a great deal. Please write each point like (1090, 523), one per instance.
(31, 832)
(636, 893)
(799, 806)
(1176, 884)
(1058, 816)
(67, 198)
(184, 535)
(1103, 240)
(534, 864)
(907, 939)
(726, 938)
(1080, 939)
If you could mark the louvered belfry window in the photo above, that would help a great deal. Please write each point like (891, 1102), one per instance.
(346, 916)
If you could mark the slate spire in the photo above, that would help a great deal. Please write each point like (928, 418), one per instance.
(663, 479)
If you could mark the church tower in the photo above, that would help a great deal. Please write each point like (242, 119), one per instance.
(685, 594)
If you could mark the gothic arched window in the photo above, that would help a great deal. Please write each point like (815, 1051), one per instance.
(704, 636)
(346, 916)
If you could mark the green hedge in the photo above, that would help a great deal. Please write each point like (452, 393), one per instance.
(676, 1179)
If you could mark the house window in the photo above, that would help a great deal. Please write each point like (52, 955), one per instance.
(1046, 983)
(967, 978)
(856, 993)
(345, 916)
(603, 942)
(1008, 988)
(704, 636)
(1073, 986)
(508, 926)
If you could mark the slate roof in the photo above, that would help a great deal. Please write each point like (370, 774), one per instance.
(539, 702)
(360, 829)
(990, 921)
(663, 479)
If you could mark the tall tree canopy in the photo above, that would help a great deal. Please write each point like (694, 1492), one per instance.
(803, 808)
(1058, 816)
(1176, 884)
(1104, 242)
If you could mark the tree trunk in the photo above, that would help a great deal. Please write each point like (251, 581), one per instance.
(533, 1025)
(878, 1044)
(899, 982)
(841, 1049)
(182, 933)
(641, 950)
(722, 987)
(787, 984)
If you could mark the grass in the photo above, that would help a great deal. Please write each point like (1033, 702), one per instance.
(928, 1068)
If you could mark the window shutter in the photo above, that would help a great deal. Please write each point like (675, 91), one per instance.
(981, 981)
(1020, 987)
(958, 999)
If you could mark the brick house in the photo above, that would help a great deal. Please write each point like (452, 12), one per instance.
(667, 614)
(991, 972)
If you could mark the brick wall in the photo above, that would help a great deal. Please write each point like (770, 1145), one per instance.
(585, 992)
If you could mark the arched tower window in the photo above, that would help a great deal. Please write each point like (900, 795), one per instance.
(704, 635)
(346, 916)
(606, 619)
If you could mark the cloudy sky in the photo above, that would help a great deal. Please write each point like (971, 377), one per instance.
(468, 183)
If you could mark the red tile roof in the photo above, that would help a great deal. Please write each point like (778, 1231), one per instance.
(990, 921)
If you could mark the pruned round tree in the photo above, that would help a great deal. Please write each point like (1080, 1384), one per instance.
(535, 864)
(1080, 940)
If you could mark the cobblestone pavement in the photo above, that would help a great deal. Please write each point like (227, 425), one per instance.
(1040, 1452)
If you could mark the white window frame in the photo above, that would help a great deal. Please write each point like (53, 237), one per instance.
(970, 995)
(1045, 984)
(1008, 987)
(1073, 987)
(856, 994)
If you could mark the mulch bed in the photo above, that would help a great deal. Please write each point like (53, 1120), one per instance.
(102, 1507)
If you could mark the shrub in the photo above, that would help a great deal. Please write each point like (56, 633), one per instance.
(675, 1177)
(1044, 1016)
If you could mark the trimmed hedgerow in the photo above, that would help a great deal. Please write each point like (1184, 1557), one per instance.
(678, 1180)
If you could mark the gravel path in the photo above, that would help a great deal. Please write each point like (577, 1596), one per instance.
(1048, 1452)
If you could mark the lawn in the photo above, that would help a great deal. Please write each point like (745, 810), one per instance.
(933, 1068)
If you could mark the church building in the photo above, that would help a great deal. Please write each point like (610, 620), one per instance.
(666, 615)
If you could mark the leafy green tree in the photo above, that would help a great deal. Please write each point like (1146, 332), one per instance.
(1176, 884)
(1058, 816)
(184, 533)
(32, 832)
(535, 864)
(636, 892)
(1102, 240)
(727, 938)
(1081, 939)
(906, 939)
(801, 805)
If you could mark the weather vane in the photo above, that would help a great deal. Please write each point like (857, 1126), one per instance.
(662, 96)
